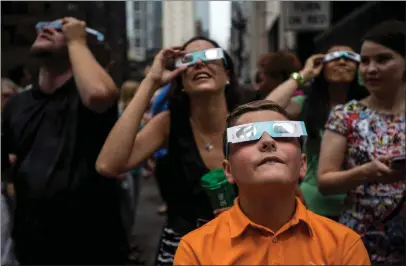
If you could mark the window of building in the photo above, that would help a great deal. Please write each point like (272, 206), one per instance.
(137, 32)
(137, 42)
(137, 23)
(140, 54)
(137, 5)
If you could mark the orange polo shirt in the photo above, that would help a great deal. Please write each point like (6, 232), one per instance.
(307, 239)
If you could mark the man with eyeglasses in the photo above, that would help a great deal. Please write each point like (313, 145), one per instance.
(66, 213)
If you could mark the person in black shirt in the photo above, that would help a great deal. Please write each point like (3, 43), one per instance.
(66, 213)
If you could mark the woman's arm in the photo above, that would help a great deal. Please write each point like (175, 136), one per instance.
(282, 95)
(125, 148)
(331, 179)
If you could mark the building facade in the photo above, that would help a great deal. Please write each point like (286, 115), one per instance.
(239, 46)
(144, 29)
(351, 26)
(348, 22)
(202, 18)
(154, 25)
(259, 27)
(250, 38)
(178, 23)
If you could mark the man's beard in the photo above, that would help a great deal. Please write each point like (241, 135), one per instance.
(48, 53)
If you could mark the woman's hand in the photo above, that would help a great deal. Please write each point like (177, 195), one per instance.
(379, 170)
(158, 72)
(313, 67)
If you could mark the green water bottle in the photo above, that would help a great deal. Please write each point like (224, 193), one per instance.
(219, 190)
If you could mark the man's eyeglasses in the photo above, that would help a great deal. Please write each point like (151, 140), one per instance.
(58, 26)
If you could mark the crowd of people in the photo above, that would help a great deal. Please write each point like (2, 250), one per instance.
(74, 148)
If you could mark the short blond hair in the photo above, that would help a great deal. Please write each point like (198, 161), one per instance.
(127, 92)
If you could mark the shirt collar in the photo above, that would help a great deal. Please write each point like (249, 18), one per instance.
(239, 222)
(61, 90)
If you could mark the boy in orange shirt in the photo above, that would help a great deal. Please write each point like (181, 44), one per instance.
(268, 224)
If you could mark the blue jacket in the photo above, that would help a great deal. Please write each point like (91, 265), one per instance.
(159, 106)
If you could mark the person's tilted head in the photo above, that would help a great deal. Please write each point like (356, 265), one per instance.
(207, 71)
(263, 146)
(50, 41)
(343, 68)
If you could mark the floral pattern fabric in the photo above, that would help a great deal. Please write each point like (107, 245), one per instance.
(375, 211)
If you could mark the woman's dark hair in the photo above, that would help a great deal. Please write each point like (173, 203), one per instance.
(279, 64)
(317, 105)
(390, 33)
(178, 99)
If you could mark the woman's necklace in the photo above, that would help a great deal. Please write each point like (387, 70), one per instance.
(208, 145)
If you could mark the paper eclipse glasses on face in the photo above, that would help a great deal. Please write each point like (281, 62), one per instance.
(276, 129)
(254, 131)
(204, 56)
(342, 54)
(58, 25)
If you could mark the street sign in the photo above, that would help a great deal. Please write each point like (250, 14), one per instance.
(306, 15)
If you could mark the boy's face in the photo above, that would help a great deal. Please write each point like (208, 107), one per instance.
(266, 160)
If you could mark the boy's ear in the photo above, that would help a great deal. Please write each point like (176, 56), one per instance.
(227, 171)
(303, 166)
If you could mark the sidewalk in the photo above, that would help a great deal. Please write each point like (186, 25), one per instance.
(149, 224)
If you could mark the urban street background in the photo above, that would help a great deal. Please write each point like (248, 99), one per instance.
(137, 30)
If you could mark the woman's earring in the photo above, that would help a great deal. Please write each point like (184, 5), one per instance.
(228, 82)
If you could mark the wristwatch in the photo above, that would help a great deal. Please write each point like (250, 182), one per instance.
(301, 82)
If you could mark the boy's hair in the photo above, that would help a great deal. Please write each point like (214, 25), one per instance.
(254, 106)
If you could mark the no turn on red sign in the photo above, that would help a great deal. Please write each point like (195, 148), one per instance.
(306, 15)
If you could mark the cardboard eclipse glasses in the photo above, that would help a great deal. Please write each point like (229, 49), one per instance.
(254, 131)
(58, 25)
(204, 55)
